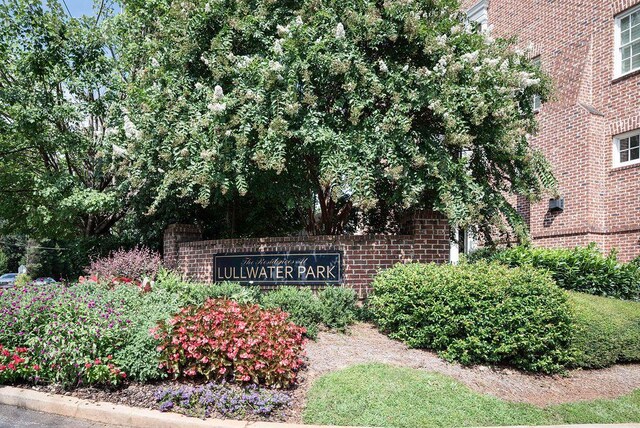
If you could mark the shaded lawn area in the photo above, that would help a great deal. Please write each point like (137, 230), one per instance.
(386, 396)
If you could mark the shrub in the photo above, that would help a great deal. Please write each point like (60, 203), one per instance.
(476, 313)
(226, 340)
(138, 354)
(4, 261)
(222, 399)
(582, 269)
(136, 264)
(22, 280)
(302, 305)
(196, 294)
(338, 306)
(607, 331)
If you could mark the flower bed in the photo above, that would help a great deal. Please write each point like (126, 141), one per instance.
(223, 400)
(224, 339)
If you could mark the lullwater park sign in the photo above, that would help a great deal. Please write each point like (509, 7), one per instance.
(299, 268)
(315, 261)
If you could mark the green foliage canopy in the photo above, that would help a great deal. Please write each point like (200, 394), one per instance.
(58, 85)
(339, 105)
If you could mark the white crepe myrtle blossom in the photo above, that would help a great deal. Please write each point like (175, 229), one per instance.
(217, 107)
(492, 62)
(470, 57)
(282, 30)
(340, 31)
(299, 20)
(275, 66)
(383, 66)
(155, 63)
(217, 92)
(118, 151)
(527, 82)
(277, 47)
(130, 129)
(243, 62)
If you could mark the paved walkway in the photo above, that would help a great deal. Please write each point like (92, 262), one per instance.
(14, 417)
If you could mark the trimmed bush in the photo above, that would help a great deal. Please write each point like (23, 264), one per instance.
(582, 269)
(477, 313)
(135, 264)
(338, 307)
(607, 331)
(226, 340)
(303, 307)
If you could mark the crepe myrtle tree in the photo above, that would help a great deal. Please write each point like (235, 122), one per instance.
(344, 104)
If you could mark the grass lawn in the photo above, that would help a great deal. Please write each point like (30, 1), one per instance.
(387, 396)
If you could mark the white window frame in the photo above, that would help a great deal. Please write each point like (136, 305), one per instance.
(617, 54)
(469, 243)
(616, 149)
(480, 14)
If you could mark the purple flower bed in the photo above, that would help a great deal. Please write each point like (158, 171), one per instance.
(224, 400)
(64, 328)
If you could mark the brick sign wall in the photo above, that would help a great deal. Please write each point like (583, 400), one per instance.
(426, 240)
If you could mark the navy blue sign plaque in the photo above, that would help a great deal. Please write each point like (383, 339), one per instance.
(295, 268)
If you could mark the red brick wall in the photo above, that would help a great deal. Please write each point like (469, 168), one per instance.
(363, 255)
(575, 41)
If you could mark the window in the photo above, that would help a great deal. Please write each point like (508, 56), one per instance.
(626, 150)
(537, 100)
(479, 14)
(463, 242)
(628, 42)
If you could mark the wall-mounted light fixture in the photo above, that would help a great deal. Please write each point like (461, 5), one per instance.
(556, 205)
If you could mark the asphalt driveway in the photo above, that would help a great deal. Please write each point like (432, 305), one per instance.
(14, 417)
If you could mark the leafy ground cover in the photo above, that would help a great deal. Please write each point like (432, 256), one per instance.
(387, 396)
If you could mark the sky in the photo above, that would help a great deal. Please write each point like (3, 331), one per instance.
(80, 7)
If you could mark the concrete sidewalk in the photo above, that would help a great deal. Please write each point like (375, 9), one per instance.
(125, 416)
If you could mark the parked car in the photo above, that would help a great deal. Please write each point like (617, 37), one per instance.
(44, 281)
(8, 280)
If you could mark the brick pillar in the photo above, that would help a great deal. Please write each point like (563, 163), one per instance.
(174, 234)
(431, 236)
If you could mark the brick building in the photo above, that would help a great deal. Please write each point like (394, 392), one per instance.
(590, 131)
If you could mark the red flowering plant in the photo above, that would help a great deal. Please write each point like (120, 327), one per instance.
(225, 340)
(15, 365)
(98, 372)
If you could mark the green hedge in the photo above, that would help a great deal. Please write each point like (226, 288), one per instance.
(607, 331)
(477, 313)
(301, 304)
(334, 307)
(582, 269)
